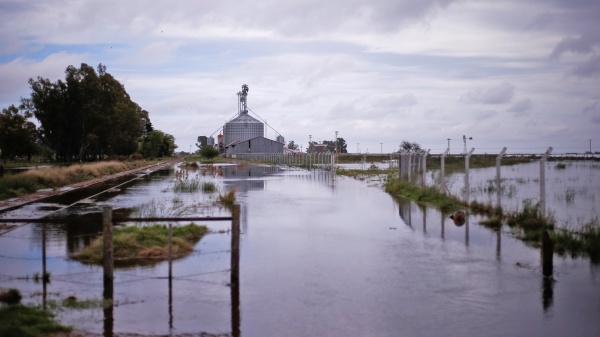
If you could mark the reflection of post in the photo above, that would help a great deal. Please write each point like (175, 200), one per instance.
(44, 272)
(543, 180)
(170, 276)
(443, 223)
(467, 229)
(547, 270)
(498, 244)
(235, 271)
(424, 211)
(108, 271)
(498, 180)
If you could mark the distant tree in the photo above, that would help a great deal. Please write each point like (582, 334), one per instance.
(410, 147)
(158, 144)
(293, 146)
(202, 142)
(209, 151)
(17, 134)
(340, 145)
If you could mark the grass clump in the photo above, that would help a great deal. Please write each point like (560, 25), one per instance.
(427, 194)
(209, 187)
(186, 185)
(531, 216)
(131, 244)
(584, 242)
(27, 321)
(10, 296)
(228, 199)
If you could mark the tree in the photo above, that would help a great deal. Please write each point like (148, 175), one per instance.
(202, 142)
(88, 115)
(293, 146)
(209, 151)
(410, 147)
(17, 134)
(158, 144)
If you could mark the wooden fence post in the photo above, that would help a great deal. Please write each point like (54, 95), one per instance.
(235, 271)
(107, 230)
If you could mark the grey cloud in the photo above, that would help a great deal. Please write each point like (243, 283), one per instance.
(500, 94)
(521, 107)
(580, 45)
(589, 68)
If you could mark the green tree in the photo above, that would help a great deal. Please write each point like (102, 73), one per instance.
(410, 147)
(88, 115)
(293, 146)
(158, 144)
(17, 135)
(202, 142)
(209, 151)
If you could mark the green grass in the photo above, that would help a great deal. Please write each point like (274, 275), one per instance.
(209, 187)
(186, 185)
(228, 199)
(427, 194)
(27, 321)
(10, 296)
(143, 243)
(14, 185)
(530, 216)
(584, 242)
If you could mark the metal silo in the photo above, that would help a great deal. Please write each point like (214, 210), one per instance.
(244, 126)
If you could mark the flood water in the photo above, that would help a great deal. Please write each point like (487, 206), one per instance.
(320, 256)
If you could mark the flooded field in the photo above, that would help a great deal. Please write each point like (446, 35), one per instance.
(320, 256)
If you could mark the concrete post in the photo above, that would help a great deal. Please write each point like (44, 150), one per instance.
(543, 180)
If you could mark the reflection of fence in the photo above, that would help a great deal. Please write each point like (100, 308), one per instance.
(108, 261)
(324, 161)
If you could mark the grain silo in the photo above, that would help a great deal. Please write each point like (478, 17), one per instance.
(244, 126)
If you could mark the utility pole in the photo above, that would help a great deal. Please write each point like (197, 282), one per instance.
(381, 148)
(448, 145)
(357, 147)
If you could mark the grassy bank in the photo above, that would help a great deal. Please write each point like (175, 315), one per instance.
(140, 244)
(25, 321)
(53, 177)
(424, 194)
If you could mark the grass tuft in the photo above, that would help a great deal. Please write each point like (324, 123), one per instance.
(10, 296)
(143, 243)
(228, 199)
(27, 321)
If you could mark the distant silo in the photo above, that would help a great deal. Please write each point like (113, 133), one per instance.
(243, 126)
(281, 139)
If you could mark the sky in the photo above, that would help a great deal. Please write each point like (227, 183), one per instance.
(521, 74)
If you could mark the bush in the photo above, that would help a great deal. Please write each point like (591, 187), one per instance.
(209, 151)
(10, 296)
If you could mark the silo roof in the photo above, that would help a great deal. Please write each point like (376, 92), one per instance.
(244, 118)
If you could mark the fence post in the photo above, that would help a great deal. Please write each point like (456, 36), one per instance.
(425, 154)
(498, 180)
(443, 170)
(543, 180)
(107, 230)
(467, 187)
(235, 244)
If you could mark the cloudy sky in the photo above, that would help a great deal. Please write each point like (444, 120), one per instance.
(524, 74)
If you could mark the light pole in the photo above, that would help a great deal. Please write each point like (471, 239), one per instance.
(381, 148)
(448, 145)
(309, 143)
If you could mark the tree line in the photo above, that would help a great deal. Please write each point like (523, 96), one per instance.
(88, 116)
